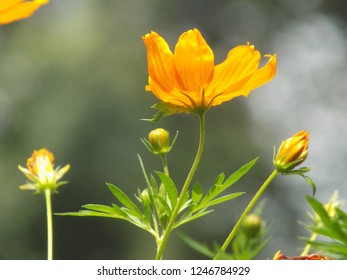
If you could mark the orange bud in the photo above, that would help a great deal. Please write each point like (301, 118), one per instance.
(41, 172)
(292, 152)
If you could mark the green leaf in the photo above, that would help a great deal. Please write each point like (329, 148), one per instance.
(212, 192)
(318, 208)
(166, 109)
(220, 179)
(164, 204)
(331, 223)
(122, 197)
(219, 200)
(325, 231)
(119, 210)
(311, 183)
(233, 178)
(185, 202)
(170, 188)
(154, 185)
(238, 174)
(298, 171)
(259, 248)
(99, 208)
(189, 218)
(203, 249)
(342, 216)
(89, 213)
(334, 249)
(147, 214)
(144, 171)
(196, 193)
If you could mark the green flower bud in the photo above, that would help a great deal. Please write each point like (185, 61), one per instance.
(145, 197)
(160, 141)
(164, 219)
(251, 225)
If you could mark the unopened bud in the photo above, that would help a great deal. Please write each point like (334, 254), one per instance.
(160, 141)
(145, 197)
(292, 152)
(251, 225)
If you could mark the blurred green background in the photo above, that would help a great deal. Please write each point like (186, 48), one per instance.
(72, 80)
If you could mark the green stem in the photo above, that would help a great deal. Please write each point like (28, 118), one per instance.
(246, 212)
(308, 246)
(165, 166)
(49, 225)
(169, 228)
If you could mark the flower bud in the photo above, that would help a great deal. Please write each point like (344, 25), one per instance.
(164, 219)
(145, 197)
(251, 225)
(330, 208)
(41, 172)
(292, 152)
(160, 141)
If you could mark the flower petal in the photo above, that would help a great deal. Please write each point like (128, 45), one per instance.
(7, 4)
(264, 74)
(248, 83)
(15, 11)
(240, 63)
(161, 79)
(194, 63)
(160, 61)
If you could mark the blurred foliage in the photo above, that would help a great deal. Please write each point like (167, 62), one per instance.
(72, 80)
(329, 221)
(249, 242)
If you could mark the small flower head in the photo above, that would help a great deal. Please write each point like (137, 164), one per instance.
(330, 208)
(188, 79)
(13, 10)
(292, 152)
(252, 225)
(159, 141)
(145, 197)
(41, 173)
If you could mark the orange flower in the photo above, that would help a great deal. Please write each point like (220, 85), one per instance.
(188, 79)
(13, 10)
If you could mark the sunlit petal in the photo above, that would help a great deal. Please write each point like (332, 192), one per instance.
(241, 63)
(15, 10)
(173, 96)
(264, 74)
(194, 62)
(244, 86)
(160, 62)
(7, 4)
